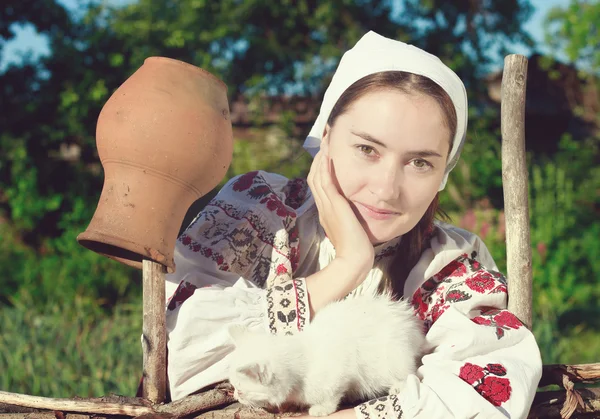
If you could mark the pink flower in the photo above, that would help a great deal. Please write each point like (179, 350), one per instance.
(469, 220)
(542, 250)
(485, 229)
(502, 225)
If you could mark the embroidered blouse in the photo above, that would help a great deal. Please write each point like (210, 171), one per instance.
(244, 258)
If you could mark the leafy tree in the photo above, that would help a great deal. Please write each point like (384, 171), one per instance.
(575, 31)
(257, 47)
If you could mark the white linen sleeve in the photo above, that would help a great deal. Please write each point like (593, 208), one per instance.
(234, 265)
(482, 362)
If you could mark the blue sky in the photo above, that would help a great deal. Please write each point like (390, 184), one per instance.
(28, 41)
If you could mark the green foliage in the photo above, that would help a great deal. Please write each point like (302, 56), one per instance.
(478, 174)
(61, 271)
(574, 30)
(272, 152)
(68, 348)
(566, 268)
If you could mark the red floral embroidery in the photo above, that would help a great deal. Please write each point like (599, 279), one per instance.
(294, 256)
(456, 283)
(457, 295)
(419, 305)
(487, 382)
(434, 296)
(274, 204)
(281, 269)
(204, 251)
(496, 369)
(182, 293)
(507, 319)
(454, 268)
(495, 390)
(481, 282)
(499, 289)
(438, 310)
(295, 192)
(244, 181)
(259, 191)
(502, 320)
(471, 373)
(482, 320)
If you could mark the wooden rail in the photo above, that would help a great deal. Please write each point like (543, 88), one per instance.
(515, 186)
(154, 339)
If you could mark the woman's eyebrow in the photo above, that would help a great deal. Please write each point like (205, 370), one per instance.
(423, 153)
(368, 137)
(412, 154)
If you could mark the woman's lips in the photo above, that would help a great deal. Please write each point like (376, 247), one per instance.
(375, 213)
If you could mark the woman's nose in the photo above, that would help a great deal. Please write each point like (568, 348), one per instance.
(386, 185)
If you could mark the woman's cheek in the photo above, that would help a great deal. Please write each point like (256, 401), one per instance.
(422, 188)
(350, 180)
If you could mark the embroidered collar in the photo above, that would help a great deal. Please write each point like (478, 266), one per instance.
(387, 249)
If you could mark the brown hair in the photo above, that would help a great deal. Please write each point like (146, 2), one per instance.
(416, 240)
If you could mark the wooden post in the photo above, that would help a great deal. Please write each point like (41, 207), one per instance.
(154, 344)
(515, 185)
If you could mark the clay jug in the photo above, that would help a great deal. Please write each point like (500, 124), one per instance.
(164, 139)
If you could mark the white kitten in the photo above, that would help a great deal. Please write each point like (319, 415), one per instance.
(356, 349)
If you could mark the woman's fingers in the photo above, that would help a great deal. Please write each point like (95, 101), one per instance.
(315, 184)
(336, 216)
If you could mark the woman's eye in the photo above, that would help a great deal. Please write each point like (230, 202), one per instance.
(366, 150)
(421, 164)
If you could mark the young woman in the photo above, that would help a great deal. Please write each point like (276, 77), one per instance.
(269, 253)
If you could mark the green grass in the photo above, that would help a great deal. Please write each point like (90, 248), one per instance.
(70, 349)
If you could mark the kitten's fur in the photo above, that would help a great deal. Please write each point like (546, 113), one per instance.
(356, 349)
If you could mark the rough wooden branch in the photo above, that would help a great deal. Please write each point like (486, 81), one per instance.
(218, 397)
(550, 405)
(214, 398)
(239, 411)
(105, 405)
(515, 181)
(582, 373)
(154, 344)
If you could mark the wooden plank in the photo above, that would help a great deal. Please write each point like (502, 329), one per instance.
(515, 185)
(154, 340)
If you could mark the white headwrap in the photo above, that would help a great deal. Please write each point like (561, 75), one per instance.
(374, 53)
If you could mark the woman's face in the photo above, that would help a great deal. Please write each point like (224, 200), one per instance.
(389, 152)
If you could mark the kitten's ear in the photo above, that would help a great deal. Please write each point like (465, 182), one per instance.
(257, 372)
(238, 333)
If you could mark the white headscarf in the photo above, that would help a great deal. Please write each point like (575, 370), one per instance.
(374, 53)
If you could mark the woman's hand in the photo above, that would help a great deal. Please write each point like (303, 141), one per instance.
(352, 245)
